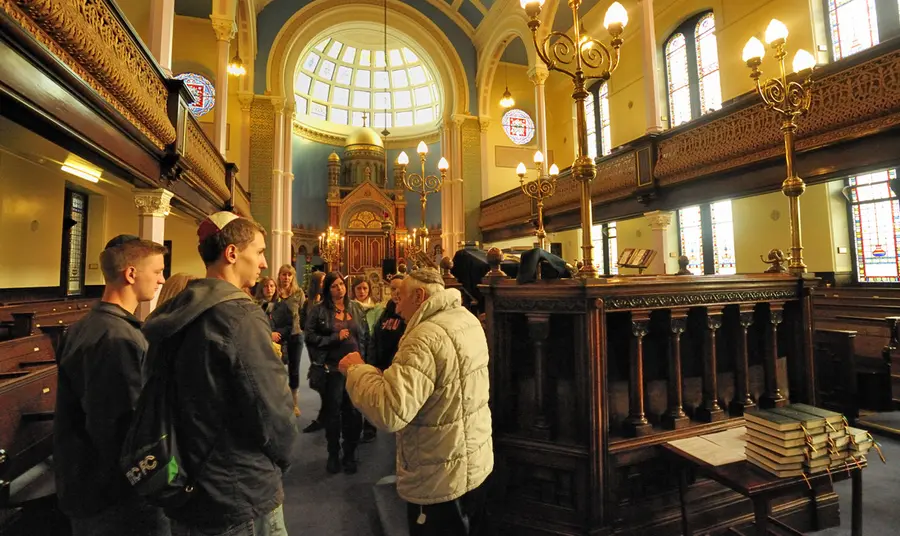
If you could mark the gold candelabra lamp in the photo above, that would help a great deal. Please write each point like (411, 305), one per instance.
(415, 243)
(790, 100)
(422, 184)
(331, 248)
(539, 189)
(582, 58)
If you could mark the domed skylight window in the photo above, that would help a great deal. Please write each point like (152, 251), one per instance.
(343, 84)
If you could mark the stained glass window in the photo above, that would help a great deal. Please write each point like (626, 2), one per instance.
(708, 64)
(203, 92)
(604, 120)
(876, 227)
(597, 239)
(326, 86)
(612, 247)
(854, 26)
(518, 126)
(77, 212)
(679, 80)
(589, 114)
(691, 230)
(723, 237)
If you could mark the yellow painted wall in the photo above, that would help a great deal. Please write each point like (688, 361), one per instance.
(30, 223)
(182, 231)
(501, 179)
(571, 244)
(138, 14)
(194, 50)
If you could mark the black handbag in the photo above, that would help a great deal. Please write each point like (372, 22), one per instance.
(318, 376)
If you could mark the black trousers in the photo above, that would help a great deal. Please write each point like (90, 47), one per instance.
(294, 351)
(341, 419)
(465, 516)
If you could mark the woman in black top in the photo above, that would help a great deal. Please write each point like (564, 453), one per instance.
(313, 298)
(335, 328)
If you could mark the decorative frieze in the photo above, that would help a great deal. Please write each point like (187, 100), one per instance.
(663, 301)
(205, 164)
(152, 202)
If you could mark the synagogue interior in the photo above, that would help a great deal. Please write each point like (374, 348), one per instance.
(668, 214)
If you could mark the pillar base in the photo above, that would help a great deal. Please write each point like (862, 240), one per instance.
(674, 420)
(712, 413)
(776, 400)
(637, 427)
(736, 407)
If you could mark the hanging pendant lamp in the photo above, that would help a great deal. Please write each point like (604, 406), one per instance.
(236, 66)
(507, 100)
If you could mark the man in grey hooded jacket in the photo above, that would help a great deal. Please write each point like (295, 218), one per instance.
(235, 421)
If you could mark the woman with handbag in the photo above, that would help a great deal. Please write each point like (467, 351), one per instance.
(290, 297)
(335, 328)
(313, 298)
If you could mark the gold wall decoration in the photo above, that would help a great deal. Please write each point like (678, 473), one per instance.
(365, 219)
(88, 37)
(328, 138)
(205, 162)
(262, 146)
(854, 102)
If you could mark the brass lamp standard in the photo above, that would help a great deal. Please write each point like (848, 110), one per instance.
(790, 100)
(422, 184)
(589, 60)
(331, 247)
(539, 189)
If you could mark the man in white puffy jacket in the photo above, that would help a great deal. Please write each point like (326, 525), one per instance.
(435, 397)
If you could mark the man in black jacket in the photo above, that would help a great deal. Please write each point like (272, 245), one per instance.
(100, 362)
(236, 426)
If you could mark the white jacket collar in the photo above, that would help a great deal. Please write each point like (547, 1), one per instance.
(444, 300)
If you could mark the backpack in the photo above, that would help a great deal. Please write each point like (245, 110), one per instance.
(150, 458)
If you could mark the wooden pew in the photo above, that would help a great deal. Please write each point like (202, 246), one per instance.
(23, 320)
(834, 351)
(28, 375)
(871, 362)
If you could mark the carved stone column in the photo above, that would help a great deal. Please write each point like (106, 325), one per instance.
(651, 69)
(538, 330)
(659, 224)
(153, 207)
(459, 206)
(225, 29)
(772, 398)
(287, 183)
(162, 24)
(483, 123)
(709, 410)
(636, 424)
(275, 242)
(539, 74)
(742, 399)
(674, 417)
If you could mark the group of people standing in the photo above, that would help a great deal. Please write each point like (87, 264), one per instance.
(416, 366)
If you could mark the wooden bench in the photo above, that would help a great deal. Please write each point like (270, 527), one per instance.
(28, 375)
(24, 320)
(834, 351)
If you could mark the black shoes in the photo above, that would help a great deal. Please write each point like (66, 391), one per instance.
(334, 463)
(349, 464)
(368, 435)
(314, 426)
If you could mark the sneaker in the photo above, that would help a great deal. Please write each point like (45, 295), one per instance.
(334, 463)
(296, 411)
(314, 426)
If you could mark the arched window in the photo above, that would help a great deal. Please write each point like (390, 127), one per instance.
(597, 118)
(854, 26)
(707, 238)
(606, 249)
(349, 85)
(876, 226)
(692, 70)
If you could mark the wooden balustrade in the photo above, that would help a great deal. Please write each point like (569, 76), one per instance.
(675, 417)
(742, 399)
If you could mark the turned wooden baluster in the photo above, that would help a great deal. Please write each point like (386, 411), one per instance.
(709, 410)
(636, 424)
(742, 399)
(773, 398)
(538, 330)
(674, 416)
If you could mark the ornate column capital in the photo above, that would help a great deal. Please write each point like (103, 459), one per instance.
(458, 119)
(539, 73)
(246, 100)
(484, 122)
(659, 219)
(277, 104)
(224, 27)
(152, 202)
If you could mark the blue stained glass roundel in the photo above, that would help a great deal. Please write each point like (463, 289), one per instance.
(203, 91)
(518, 126)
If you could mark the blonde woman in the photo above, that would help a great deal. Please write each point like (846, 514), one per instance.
(174, 285)
(290, 295)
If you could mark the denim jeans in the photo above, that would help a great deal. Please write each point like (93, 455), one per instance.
(131, 517)
(271, 524)
(342, 420)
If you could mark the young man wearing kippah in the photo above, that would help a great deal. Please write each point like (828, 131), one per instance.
(235, 422)
(100, 362)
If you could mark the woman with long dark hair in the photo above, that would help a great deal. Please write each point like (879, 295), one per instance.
(313, 298)
(335, 328)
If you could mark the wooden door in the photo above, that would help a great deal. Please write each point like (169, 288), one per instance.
(364, 251)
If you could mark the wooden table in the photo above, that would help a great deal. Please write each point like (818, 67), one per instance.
(761, 487)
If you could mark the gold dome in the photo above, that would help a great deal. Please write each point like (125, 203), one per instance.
(333, 157)
(364, 137)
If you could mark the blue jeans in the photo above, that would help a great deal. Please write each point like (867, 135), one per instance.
(271, 524)
(130, 517)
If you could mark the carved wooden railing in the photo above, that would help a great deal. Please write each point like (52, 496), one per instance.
(93, 39)
(854, 98)
(588, 378)
(239, 201)
(204, 165)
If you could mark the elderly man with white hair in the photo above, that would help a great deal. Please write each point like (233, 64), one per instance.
(435, 396)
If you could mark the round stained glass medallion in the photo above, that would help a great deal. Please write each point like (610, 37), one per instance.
(518, 126)
(202, 90)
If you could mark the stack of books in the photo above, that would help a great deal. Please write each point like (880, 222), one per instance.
(802, 440)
